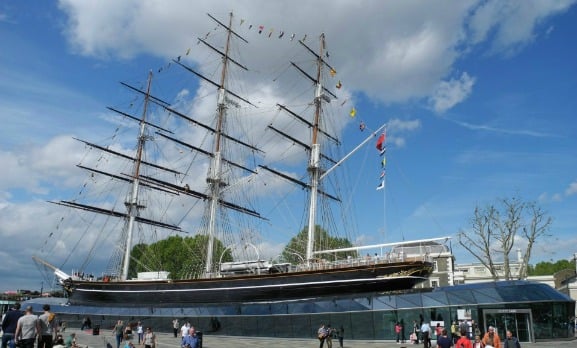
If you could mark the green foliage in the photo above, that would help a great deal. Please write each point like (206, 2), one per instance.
(549, 268)
(185, 257)
(295, 251)
(182, 257)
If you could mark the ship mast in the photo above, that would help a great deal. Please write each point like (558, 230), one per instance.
(132, 206)
(214, 178)
(314, 161)
(314, 149)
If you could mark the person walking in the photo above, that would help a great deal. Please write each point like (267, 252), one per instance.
(478, 343)
(184, 330)
(398, 332)
(455, 334)
(439, 330)
(175, 327)
(492, 339)
(149, 338)
(9, 323)
(140, 332)
(426, 332)
(329, 338)
(45, 327)
(26, 333)
(443, 340)
(322, 335)
(511, 341)
(464, 341)
(415, 333)
(191, 340)
(475, 329)
(118, 332)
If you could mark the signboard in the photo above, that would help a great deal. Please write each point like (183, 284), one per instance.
(464, 314)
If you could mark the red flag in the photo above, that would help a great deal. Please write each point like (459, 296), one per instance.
(380, 142)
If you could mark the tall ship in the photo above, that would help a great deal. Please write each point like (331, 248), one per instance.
(183, 206)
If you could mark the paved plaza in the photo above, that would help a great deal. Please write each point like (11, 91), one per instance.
(166, 340)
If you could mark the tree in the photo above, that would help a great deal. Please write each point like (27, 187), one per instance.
(182, 257)
(538, 228)
(136, 257)
(495, 230)
(295, 251)
(549, 268)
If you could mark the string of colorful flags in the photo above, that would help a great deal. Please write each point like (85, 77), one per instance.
(382, 148)
(267, 32)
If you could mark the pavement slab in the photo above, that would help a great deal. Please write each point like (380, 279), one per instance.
(86, 339)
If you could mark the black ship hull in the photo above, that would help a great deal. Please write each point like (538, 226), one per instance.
(254, 288)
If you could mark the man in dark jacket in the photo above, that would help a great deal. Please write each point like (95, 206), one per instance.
(9, 325)
(510, 341)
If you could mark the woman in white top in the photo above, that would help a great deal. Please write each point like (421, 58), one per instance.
(140, 332)
(149, 338)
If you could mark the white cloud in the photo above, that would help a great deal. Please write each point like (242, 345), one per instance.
(32, 167)
(400, 55)
(398, 129)
(572, 189)
(451, 93)
(559, 197)
(510, 25)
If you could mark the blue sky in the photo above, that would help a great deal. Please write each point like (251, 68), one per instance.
(479, 97)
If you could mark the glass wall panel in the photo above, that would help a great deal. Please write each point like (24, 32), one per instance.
(460, 297)
(303, 326)
(342, 320)
(487, 296)
(408, 318)
(302, 307)
(409, 301)
(230, 325)
(384, 302)
(279, 308)
(559, 320)
(363, 326)
(436, 299)
(542, 325)
(524, 331)
(385, 325)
